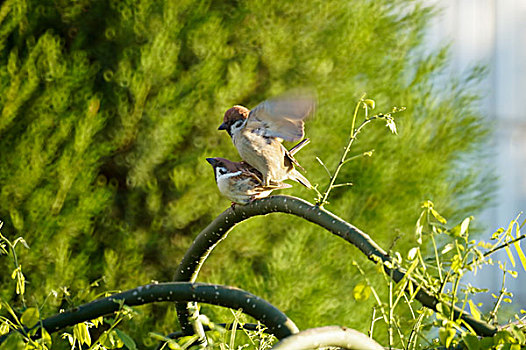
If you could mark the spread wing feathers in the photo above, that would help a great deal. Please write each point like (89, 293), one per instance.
(283, 116)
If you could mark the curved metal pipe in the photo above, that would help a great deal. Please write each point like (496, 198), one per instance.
(276, 321)
(218, 229)
(341, 337)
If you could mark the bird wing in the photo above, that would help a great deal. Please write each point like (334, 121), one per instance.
(251, 172)
(282, 116)
(274, 186)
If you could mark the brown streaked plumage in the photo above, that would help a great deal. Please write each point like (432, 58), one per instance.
(257, 134)
(240, 182)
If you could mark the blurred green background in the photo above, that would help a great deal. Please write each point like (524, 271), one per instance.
(109, 109)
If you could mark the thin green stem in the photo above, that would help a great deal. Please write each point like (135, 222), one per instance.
(373, 320)
(493, 313)
(390, 324)
(521, 237)
(454, 297)
(439, 267)
(352, 138)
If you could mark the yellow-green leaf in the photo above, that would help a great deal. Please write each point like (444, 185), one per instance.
(97, 321)
(510, 255)
(471, 341)
(517, 246)
(4, 328)
(81, 333)
(30, 317)
(369, 103)
(437, 216)
(446, 336)
(15, 341)
(361, 291)
(126, 339)
(111, 340)
(46, 338)
(412, 253)
(474, 310)
(464, 226)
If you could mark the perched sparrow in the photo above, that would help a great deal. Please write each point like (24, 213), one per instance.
(257, 135)
(240, 182)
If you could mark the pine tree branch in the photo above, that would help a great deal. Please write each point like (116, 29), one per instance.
(218, 230)
(276, 321)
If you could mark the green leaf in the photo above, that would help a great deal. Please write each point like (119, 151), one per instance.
(391, 125)
(510, 255)
(4, 327)
(503, 337)
(437, 216)
(471, 341)
(126, 339)
(45, 338)
(369, 103)
(447, 248)
(97, 321)
(110, 340)
(412, 253)
(456, 263)
(361, 291)
(81, 333)
(518, 334)
(518, 248)
(15, 341)
(474, 310)
(486, 343)
(446, 335)
(30, 317)
(465, 225)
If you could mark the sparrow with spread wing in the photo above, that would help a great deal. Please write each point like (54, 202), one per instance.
(257, 134)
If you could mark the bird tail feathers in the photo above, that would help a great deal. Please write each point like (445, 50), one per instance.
(297, 176)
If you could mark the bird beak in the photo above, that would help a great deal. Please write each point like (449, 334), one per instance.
(212, 161)
(222, 127)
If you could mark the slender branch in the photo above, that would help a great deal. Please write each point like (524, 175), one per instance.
(218, 229)
(507, 244)
(276, 321)
(352, 138)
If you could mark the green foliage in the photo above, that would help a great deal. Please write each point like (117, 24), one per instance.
(109, 108)
(442, 273)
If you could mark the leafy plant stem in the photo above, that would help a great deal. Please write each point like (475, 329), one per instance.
(411, 344)
(373, 320)
(390, 324)
(454, 297)
(502, 293)
(352, 137)
(15, 262)
(507, 244)
(439, 268)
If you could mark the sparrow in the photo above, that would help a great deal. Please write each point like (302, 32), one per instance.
(240, 182)
(258, 135)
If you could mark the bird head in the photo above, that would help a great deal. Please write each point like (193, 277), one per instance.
(234, 118)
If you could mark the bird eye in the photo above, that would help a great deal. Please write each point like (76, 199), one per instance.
(238, 124)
